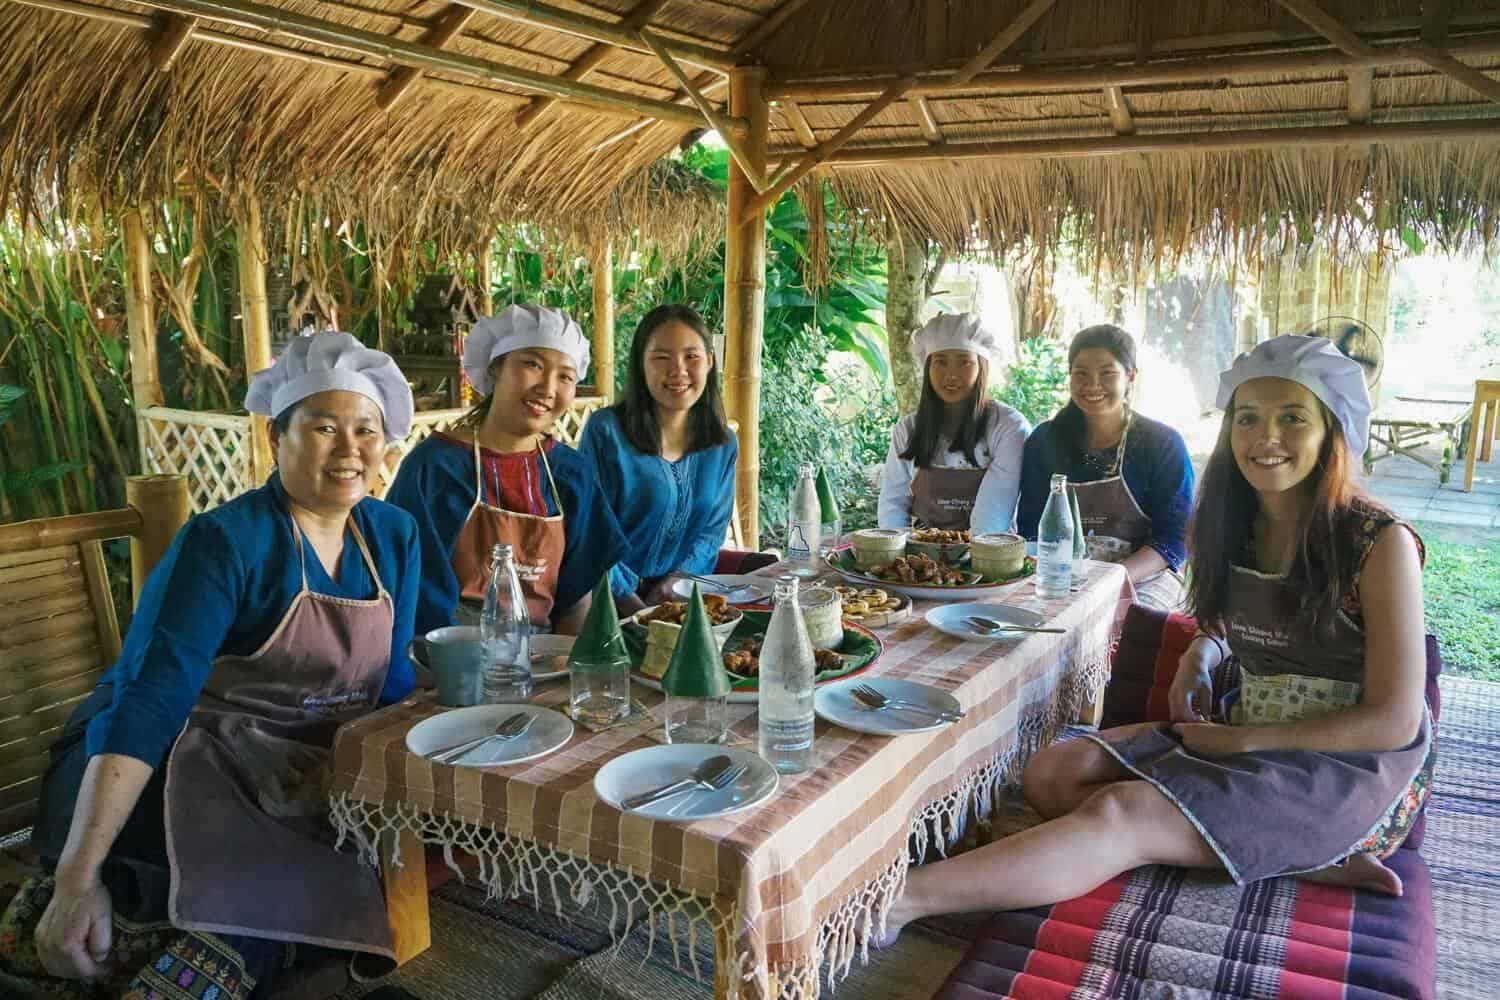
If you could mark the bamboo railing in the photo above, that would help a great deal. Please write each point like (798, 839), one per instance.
(213, 450)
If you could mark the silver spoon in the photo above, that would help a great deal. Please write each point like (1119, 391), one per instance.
(509, 728)
(982, 624)
(878, 701)
(744, 591)
(704, 776)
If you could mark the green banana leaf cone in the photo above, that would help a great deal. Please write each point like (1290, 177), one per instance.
(600, 640)
(696, 669)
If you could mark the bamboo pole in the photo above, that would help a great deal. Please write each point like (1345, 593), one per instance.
(145, 375)
(255, 317)
(934, 80)
(639, 17)
(169, 42)
(1003, 40)
(398, 84)
(163, 506)
(744, 298)
(291, 24)
(773, 23)
(70, 529)
(1330, 27)
(1463, 73)
(484, 271)
(543, 16)
(602, 264)
(710, 113)
(1176, 142)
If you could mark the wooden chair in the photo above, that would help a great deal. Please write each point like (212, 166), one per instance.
(1482, 426)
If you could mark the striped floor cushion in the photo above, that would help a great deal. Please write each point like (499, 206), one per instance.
(1167, 932)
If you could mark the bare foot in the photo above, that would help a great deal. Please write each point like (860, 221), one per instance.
(896, 919)
(1361, 871)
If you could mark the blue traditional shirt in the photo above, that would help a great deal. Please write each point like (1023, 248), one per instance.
(1156, 469)
(436, 485)
(674, 514)
(222, 588)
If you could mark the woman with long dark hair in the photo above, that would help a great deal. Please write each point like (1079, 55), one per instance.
(503, 477)
(955, 463)
(665, 457)
(1131, 474)
(1324, 761)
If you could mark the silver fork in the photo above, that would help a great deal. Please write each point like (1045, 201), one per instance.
(510, 728)
(989, 625)
(879, 701)
(719, 783)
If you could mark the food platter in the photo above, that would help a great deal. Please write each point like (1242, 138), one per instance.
(858, 651)
(972, 587)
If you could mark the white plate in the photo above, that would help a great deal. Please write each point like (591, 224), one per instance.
(549, 732)
(549, 656)
(684, 588)
(836, 704)
(642, 770)
(949, 618)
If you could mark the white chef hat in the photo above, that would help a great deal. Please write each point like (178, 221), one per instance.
(953, 332)
(333, 360)
(1317, 364)
(516, 327)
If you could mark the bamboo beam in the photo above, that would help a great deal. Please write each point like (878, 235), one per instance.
(542, 16)
(638, 17)
(1361, 84)
(1435, 17)
(168, 42)
(140, 319)
(773, 23)
(936, 80)
(1119, 111)
(1330, 27)
(1177, 142)
(798, 122)
(789, 176)
(301, 27)
(710, 113)
(1005, 39)
(926, 119)
(744, 300)
(70, 529)
(255, 320)
(602, 263)
(163, 506)
(1456, 71)
(398, 83)
(484, 272)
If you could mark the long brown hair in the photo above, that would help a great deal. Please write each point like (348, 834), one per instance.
(1219, 535)
(921, 450)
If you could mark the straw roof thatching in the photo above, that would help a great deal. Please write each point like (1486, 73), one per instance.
(1131, 125)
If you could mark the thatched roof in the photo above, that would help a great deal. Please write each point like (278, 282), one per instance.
(1132, 124)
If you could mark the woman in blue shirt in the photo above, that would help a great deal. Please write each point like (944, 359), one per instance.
(502, 477)
(665, 458)
(187, 788)
(1132, 474)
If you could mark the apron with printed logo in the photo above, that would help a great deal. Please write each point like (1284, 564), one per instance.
(944, 498)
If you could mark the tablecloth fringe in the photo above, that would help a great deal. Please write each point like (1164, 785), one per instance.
(510, 866)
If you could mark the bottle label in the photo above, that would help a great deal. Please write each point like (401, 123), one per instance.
(798, 544)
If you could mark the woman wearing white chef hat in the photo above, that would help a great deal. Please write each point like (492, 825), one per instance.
(194, 766)
(503, 478)
(955, 463)
(1324, 760)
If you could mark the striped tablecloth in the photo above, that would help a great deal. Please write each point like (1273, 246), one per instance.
(789, 888)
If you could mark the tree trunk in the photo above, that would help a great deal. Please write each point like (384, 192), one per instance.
(906, 291)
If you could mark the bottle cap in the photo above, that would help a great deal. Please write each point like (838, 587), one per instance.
(696, 669)
(600, 638)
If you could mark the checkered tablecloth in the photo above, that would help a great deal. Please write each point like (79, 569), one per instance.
(792, 887)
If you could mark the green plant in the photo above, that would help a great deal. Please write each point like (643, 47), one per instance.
(1037, 383)
(1461, 587)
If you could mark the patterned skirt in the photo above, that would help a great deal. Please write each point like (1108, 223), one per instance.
(150, 961)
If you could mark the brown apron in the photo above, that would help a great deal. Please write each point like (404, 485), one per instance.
(944, 498)
(250, 847)
(1285, 812)
(1114, 527)
(537, 544)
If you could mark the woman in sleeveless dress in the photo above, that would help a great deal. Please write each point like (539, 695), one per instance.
(1325, 761)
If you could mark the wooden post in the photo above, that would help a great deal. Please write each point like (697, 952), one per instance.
(602, 263)
(483, 277)
(406, 894)
(164, 508)
(145, 376)
(745, 297)
(255, 317)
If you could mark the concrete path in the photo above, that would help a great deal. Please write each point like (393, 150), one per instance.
(1411, 490)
